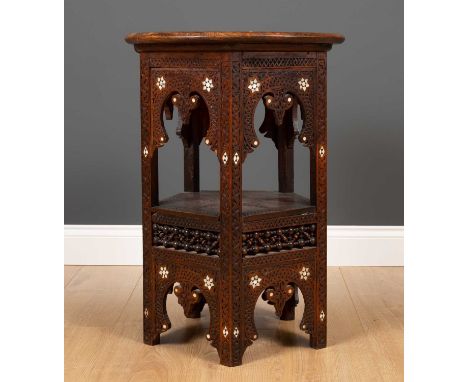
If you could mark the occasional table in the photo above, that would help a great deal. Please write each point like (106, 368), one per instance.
(227, 248)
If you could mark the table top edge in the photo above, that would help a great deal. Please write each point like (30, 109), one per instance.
(227, 38)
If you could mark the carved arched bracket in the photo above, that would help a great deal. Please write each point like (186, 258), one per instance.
(191, 281)
(280, 91)
(187, 90)
(280, 283)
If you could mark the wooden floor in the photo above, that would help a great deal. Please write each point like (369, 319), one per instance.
(103, 333)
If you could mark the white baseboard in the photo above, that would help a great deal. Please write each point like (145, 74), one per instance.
(122, 245)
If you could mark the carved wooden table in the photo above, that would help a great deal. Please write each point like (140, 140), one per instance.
(228, 248)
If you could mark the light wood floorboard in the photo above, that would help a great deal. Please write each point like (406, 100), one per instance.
(70, 272)
(103, 333)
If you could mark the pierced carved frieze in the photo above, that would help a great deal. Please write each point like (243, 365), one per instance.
(186, 239)
(278, 239)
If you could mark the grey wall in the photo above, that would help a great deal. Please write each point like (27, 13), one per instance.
(102, 152)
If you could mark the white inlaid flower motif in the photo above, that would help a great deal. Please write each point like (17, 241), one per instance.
(207, 84)
(303, 84)
(236, 158)
(163, 272)
(225, 331)
(236, 332)
(304, 272)
(225, 158)
(161, 82)
(209, 282)
(146, 313)
(255, 281)
(145, 151)
(254, 85)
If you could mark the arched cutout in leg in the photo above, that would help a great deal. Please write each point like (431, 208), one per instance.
(162, 321)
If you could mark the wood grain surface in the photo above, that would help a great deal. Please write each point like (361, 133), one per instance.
(226, 38)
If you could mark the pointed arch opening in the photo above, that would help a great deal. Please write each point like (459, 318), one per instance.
(279, 162)
(186, 120)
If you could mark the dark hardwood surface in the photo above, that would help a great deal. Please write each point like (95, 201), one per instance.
(233, 38)
(253, 203)
(233, 41)
(268, 244)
